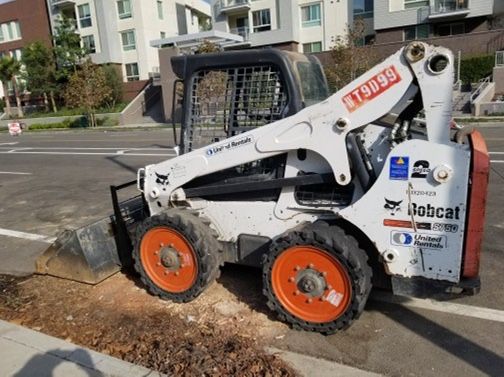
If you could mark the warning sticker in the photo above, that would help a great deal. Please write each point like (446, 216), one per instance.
(334, 298)
(399, 168)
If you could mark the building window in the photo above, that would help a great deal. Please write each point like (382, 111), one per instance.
(310, 15)
(88, 42)
(160, 9)
(312, 47)
(84, 15)
(416, 32)
(132, 72)
(124, 9)
(443, 30)
(408, 4)
(16, 54)
(363, 8)
(128, 40)
(262, 20)
(162, 35)
(366, 40)
(10, 31)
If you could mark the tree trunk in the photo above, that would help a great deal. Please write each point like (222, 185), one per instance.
(18, 99)
(53, 102)
(46, 102)
(7, 100)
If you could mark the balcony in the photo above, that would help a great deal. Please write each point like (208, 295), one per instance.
(233, 6)
(63, 3)
(244, 32)
(449, 9)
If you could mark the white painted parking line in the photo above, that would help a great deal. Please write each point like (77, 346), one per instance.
(26, 236)
(14, 143)
(441, 306)
(87, 148)
(496, 162)
(91, 153)
(495, 152)
(14, 173)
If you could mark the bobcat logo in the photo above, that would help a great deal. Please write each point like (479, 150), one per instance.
(162, 179)
(392, 206)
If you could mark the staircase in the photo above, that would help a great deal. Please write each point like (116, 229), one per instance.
(461, 103)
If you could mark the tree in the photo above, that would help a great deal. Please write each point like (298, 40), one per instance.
(9, 69)
(87, 89)
(67, 48)
(114, 82)
(350, 57)
(207, 47)
(40, 72)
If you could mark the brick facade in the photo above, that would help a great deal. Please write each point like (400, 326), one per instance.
(33, 22)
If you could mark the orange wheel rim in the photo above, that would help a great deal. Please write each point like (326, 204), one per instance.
(311, 284)
(168, 259)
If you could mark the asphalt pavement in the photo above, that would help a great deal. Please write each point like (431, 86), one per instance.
(52, 181)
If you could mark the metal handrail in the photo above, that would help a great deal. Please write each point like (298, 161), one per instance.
(231, 3)
(499, 58)
(243, 31)
(447, 6)
(483, 83)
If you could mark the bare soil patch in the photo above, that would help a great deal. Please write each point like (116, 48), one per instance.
(215, 335)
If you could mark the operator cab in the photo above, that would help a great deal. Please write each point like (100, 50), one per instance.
(227, 93)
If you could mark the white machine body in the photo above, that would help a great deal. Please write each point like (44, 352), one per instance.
(414, 212)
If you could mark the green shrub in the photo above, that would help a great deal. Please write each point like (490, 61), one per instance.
(107, 122)
(67, 123)
(476, 68)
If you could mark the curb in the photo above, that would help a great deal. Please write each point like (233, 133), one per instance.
(310, 366)
(26, 352)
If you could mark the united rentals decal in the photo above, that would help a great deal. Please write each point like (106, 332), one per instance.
(372, 88)
(212, 151)
(425, 241)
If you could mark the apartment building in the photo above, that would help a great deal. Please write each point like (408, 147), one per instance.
(120, 31)
(19, 27)
(470, 26)
(296, 25)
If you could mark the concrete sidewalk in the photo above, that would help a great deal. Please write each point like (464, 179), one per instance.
(28, 353)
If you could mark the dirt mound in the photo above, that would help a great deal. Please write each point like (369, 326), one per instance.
(212, 336)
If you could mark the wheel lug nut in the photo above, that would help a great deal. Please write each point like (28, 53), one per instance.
(161, 244)
(158, 264)
(156, 252)
(329, 286)
(324, 274)
(297, 293)
(297, 268)
(170, 245)
(182, 265)
(291, 279)
(309, 301)
(177, 273)
(311, 265)
(322, 299)
(166, 272)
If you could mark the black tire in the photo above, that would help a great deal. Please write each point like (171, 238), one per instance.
(345, 249)
(202, 239)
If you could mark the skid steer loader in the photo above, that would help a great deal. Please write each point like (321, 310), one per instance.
(337, 197)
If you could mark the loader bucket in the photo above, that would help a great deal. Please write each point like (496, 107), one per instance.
(96, 251)
(88, 254)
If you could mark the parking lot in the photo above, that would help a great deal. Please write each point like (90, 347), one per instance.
(53, 181)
